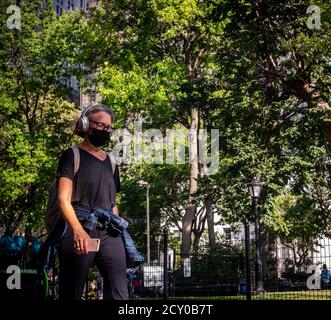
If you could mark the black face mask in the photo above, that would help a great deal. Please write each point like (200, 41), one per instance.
(99, 137)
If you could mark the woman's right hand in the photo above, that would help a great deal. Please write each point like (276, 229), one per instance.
(64, 197)
(81, 239)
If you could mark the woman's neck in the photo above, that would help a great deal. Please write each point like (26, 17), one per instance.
(88, 146)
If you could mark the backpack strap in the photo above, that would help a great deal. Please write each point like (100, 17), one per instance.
(112, 160)
(76, 158)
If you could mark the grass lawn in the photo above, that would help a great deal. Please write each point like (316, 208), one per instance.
(286, 295)
(295, 295)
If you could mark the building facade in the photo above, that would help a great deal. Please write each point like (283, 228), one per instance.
(60, 6)
(63, 5)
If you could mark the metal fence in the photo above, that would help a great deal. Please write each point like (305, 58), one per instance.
(33, 283)
(288, 272)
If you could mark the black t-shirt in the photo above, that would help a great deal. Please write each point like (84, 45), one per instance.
(94, 184)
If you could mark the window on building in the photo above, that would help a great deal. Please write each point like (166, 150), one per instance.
(92, 4)
(227, 233)
(81, 4)
(92, 97)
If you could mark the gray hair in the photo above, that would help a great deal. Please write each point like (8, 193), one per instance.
(100, 107)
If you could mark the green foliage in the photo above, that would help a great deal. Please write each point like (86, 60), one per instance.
(245, 67)
(28, 163)
(254, 71)
(35, 119)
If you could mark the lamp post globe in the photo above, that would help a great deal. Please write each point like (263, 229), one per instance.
(157, 238)
(255, 189)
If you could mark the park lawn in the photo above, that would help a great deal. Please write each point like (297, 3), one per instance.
(295, 295)
(285, 295)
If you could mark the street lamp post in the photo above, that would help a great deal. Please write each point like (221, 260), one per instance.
(255, 190)
(248, 260)
(145, 185)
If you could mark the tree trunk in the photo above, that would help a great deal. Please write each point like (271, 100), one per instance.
(210, 223)
(193, 186)
(308, 92)
(191, 73)
(327, 132)
(196, 244)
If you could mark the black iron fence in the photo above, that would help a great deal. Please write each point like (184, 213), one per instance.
(289, 272)
(32, 282)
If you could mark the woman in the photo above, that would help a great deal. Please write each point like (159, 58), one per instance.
(93, 186)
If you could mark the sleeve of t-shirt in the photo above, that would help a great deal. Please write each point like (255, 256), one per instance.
(66, 165)
(117, 179)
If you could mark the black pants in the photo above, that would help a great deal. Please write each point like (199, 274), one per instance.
(110, 260)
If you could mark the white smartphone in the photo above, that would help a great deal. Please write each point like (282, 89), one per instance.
(93, 245)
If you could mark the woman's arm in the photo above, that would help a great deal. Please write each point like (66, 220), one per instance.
(64, 197)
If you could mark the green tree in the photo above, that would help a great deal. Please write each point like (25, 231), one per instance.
(35, 64)
(269, 102)
(161, 52)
